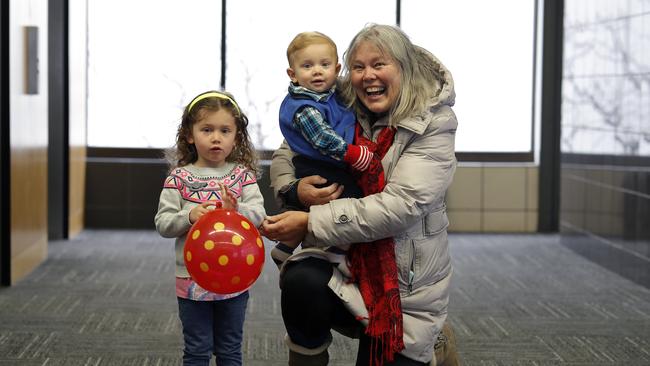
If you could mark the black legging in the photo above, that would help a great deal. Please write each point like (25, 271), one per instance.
(310, 309)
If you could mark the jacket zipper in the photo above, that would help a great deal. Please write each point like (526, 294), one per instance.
(412, 268)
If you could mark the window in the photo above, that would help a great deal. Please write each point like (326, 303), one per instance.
(141, 74)
(488, 47)
(257, 49)
(147, 58)
(606, 87)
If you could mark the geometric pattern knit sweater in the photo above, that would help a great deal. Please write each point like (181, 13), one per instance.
(200, 189)
(186, 187)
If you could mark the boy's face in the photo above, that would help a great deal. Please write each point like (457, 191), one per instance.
(314, 67)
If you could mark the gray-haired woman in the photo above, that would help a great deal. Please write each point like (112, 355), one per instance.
(376, 267)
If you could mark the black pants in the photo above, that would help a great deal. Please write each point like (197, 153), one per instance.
(310, 309)
(305, 167)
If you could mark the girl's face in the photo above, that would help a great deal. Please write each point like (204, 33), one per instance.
(375, 77)
(213, 135)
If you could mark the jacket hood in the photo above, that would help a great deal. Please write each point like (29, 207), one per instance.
(443, 96)
(446, 95)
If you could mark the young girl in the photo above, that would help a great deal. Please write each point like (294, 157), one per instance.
(213, 164)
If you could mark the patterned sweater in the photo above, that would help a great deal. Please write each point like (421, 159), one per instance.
(188, 186)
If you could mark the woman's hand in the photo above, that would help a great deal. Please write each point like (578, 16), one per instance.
(309, 194)
(289, 227)
(201, 209)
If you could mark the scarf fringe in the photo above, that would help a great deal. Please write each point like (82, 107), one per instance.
(385, 332)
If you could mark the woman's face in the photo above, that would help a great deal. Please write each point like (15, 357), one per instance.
(375, 78)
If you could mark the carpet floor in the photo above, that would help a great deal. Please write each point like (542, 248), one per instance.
(107, 297)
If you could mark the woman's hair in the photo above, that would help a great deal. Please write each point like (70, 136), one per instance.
(185, 153)
(420, 76)
(304, 39)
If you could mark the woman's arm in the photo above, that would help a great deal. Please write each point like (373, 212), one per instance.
(417, 184)
(292, 192)
(282, 173)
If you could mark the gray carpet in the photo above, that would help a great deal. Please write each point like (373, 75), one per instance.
(107, 298)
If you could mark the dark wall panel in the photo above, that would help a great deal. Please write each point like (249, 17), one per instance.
(5, 237)
(58, 160)
(123, 187)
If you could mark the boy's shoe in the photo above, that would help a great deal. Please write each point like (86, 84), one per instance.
(280, 253)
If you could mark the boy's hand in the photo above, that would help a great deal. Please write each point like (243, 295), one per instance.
(358, 156)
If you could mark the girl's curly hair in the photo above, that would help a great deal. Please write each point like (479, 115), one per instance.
(185, 153)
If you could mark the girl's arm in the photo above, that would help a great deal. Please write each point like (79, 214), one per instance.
(172, 219)
(252, 204)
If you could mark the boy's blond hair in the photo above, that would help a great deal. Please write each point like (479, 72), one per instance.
(305, 39)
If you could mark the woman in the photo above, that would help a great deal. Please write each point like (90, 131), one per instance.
(402, 96)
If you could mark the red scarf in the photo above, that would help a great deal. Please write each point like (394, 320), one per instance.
(373, 265)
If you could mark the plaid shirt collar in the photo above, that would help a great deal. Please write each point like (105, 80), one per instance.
(319, 97)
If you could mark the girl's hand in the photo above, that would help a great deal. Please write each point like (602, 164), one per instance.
(227, 198)
(201, 209)
(289, 227)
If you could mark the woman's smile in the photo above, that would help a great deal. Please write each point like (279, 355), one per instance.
(375, 90)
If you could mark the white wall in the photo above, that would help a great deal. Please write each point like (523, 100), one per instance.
(27, 109)
(78, 71)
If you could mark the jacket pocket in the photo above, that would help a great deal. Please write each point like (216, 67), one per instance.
(430, 262)
(436, 221)
(411, 272)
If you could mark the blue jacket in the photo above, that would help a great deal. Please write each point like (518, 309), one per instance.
(341, 119)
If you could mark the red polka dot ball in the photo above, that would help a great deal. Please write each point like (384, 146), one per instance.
(224, 252)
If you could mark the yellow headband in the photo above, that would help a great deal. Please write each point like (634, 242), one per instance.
(212, 94)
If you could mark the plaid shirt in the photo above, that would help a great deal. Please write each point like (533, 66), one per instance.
(314, 128)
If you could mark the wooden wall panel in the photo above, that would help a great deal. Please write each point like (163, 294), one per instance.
(28, 142)
(77, 127)
(28, 207)
(77, 189)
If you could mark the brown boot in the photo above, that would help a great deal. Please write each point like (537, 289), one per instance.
(445, 348)
(298, 359)
(301, 356)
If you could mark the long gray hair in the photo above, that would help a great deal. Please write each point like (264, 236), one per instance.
(420, 76)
